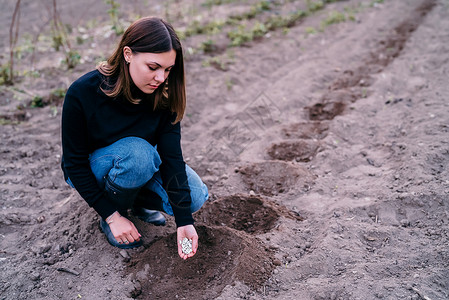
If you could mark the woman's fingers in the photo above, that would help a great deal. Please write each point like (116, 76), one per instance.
(194, 244)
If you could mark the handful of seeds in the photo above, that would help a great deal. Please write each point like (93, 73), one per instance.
(186, 245)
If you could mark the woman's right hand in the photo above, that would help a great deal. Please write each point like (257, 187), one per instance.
(123, 229)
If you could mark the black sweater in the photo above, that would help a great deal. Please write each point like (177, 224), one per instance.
(92, 120)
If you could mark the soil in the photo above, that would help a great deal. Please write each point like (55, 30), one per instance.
(325, 152)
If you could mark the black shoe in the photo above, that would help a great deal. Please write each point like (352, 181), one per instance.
(111, 239)
(149, 216)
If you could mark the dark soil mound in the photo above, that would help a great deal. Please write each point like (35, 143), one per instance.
(224, 256)
(251, 214)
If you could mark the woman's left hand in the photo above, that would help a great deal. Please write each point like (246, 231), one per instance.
(189, 232)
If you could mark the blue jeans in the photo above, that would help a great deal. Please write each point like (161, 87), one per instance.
(132, 162)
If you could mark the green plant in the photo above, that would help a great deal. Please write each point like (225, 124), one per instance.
(375, 2)
(333, 18)
(5, 74)
(79, 40)
(313, 6)
(113, 15)
(59, 93)
(6, 121)
(256, 9)
(53, 111)
(217, 62)
(37, 101)
(208, 46)
(310, 30)
(13, 37)
(239, 36)
(72, 58)
(210, 3)
(60, 39)
(275, 22)
(258, 30)
(229, 83)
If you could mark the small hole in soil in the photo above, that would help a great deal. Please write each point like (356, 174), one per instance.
(274, 177)
(326, 111)
(300, 151)
(241, 212)
(306, 130)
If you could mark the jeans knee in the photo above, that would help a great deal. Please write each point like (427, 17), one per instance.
(139, 161)
(199, 196)
(198, 190)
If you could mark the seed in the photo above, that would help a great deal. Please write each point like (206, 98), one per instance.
(186, 245)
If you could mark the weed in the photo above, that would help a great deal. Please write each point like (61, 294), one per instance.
(5, 74)
(53, 111)
(79, 40)
(210, 3)
(275, 22)
(239, 36)
(376, 2)
(13, 37)
(195, 28)
(113, 14)
(256, 9)
(310, 30)
(259, 30)
(72, 58)
(59, 93)
(37, 101)
(60, 39)
(313, 6)
(32, 73)
(6, 121)
(229, 83)
(333, 18)
(208, 46)
(217, 62)
(57, 41)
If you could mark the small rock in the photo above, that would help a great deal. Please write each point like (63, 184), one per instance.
(35, 276)
(252, 193)
(274, 247)
(277, 262)
(405, 223)
(124, 254)
(142, 276)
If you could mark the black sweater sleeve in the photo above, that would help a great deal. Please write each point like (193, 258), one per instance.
(75, 146)
(173, 172)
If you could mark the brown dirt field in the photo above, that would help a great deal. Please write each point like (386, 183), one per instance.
(325, 150)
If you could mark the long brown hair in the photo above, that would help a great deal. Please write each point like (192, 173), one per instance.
(152, 35)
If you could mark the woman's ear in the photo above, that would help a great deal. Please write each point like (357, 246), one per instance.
(127, 53)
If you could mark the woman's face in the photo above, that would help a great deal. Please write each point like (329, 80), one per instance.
(149, 70)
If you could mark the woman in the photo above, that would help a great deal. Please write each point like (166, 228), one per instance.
(121, 137)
